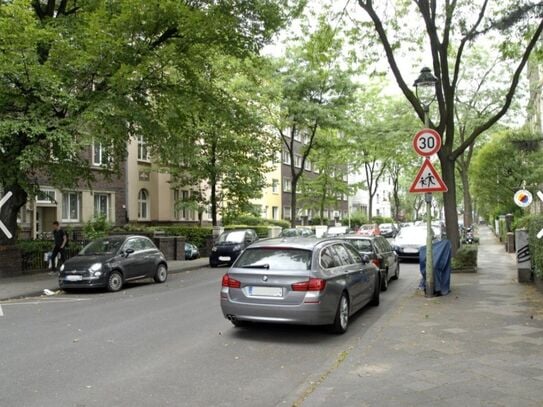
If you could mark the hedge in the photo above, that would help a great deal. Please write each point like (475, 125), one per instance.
(32, 252)
(466, 258)
(261, 230)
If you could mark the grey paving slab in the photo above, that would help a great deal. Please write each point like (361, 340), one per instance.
(482, 345)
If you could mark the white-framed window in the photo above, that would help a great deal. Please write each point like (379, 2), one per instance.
(287, 185)
(307, 138)
(298, 136)
(307, 165)
(143, 151)
(286, 157)
(100, 156)
(275, 212)
(102, 203)
(46, 196)
(143, 204)
(286, 212)
(275, 186)
(298, 160)
(70, 206)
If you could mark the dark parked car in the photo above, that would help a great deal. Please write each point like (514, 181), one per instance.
(229, 246)
(299, 281)
(380, 253)
(111, 261)
(191, 252)
(388, 229)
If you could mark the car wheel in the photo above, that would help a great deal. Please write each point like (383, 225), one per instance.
(376, 292)
(115, 281)
(161, 274)
(213, 264)
(341, 322)
(397, 274)
(384, 281)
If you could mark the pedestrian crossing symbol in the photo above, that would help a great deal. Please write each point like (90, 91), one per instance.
(428, 180)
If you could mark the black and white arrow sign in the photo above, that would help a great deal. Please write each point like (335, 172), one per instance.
(2, 226)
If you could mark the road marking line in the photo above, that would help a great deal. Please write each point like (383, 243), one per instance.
(58, 301)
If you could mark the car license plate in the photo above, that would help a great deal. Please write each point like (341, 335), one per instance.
(410, 250)
(266, 291)
(73, 278)
(224, 258)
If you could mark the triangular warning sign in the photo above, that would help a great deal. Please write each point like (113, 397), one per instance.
(428, 180)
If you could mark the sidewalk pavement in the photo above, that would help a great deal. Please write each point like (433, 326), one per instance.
(481, 345)
(34, 284)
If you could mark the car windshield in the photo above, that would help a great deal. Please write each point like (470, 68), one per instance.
(283, 259)
(232, 237)
(108, 245)
(362, 245)
(290, 233)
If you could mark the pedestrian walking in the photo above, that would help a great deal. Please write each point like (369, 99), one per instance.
(60, 239)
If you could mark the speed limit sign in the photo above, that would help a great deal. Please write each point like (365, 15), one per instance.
(427, 142)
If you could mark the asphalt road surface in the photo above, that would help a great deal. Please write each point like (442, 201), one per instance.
(160, 345)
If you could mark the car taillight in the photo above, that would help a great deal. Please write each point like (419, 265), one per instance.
(377, 262)
(313, 284)
(230, 282)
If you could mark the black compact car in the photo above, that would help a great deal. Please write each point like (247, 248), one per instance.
(229, 246)
(380, 253)
(111, 261)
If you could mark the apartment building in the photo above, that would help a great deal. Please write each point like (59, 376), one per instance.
(305, 213)
(269, 205)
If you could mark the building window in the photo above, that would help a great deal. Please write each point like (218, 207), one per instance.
(377, 199)
(298, 160)
(143, 151)
(307, 165)
(275, 186)
(101, 205)
(70, 206)
(298, 136)
(287, 185)
(100, 157)
(143, 204)
(46, 196)
(286, 212)
(275, 213)
(307, 138)
(286, 157)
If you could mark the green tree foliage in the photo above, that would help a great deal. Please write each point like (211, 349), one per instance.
(500, 168)
(448, 31)
(330, 157)
(76, 71)
(308, 90)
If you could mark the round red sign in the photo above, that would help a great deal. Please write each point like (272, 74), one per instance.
(427, 142)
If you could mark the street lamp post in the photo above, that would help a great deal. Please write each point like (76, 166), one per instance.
(425, 86)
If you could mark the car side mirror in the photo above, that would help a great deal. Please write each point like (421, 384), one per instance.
(365, 259)
(128, 251)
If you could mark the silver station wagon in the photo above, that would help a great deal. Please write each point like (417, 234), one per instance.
(299, 281)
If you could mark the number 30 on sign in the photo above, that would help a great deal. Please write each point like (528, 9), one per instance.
(427, 142)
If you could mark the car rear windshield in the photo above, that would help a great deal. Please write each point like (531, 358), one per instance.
(283, 259)
(102, 246)
(232, 237)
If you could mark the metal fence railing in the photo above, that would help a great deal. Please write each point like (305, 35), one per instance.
(35, 259)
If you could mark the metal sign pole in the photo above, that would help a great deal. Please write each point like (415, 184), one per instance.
(429, 254)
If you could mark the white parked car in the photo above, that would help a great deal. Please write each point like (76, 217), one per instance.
(409, 240)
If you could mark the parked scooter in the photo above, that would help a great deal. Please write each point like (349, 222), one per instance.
(469, 239)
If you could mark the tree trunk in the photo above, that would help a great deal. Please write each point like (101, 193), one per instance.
(213, 183)
(9, 212)
(449, 202)
(370, 208)
(294, 183)
(468, 208)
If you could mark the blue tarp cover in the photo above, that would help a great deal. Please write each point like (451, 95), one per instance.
(441, 251)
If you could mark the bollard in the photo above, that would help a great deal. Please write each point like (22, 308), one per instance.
(524, 258)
